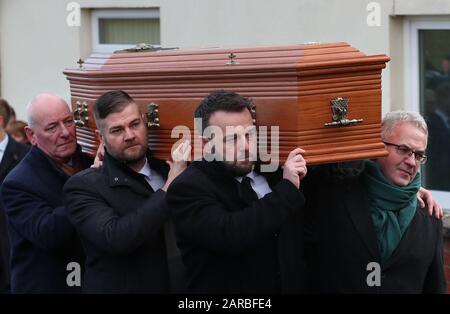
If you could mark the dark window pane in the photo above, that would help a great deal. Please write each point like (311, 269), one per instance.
(434, 52)
(129, 31)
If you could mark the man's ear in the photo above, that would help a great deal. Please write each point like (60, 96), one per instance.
(99, 136)
(2, 122)
(144, 118)
(30, 135)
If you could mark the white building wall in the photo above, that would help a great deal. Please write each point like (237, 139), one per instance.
(36, 43)
(422, 7)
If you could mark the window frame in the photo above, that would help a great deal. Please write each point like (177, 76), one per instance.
(97, 14)
(412, 26)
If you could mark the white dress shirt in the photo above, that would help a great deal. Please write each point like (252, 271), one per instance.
(258, 182)
(3, 145)
(152, 177)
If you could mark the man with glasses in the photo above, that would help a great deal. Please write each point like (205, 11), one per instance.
(405, 151)
(368, 235)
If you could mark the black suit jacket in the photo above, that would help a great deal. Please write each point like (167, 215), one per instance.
(12, 156)
(342, 242)
(120, 221)
(229, 246)
(43, 241)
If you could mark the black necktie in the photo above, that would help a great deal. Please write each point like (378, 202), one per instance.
(246, 191)
(145, 182)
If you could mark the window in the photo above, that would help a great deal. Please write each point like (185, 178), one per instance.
(427, 67)
(116, 29)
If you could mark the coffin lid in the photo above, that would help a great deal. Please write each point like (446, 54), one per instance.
(295, 57)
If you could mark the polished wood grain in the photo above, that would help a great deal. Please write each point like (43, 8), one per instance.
(291, 86)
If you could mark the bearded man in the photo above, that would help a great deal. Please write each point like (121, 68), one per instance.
(119, 209)
(238, 229)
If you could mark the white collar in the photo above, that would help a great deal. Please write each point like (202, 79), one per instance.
(4, 143)
(146, 170)
(251, 175)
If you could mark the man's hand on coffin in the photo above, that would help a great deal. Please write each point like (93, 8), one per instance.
(98, 161)
(425, 198)
(294, 168)
(180, 157)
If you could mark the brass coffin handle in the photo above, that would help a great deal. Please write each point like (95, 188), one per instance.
(339, 108)
(80, 114)
(152, 115)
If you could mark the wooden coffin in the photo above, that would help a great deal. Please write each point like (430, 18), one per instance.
(293, 87)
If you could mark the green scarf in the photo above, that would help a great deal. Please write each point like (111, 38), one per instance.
(392, 207)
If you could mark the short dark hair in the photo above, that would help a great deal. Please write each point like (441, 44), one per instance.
(12, 112)
(221, 101)
(110, 102)
(17, 127)
(5, 111)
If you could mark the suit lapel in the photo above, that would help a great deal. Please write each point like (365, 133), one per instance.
(404, 244)
(357, 206)
(137, 185)
(141, 187)
(218, 174)
(119, 175)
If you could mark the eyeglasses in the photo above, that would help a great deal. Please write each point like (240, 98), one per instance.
(405, 151)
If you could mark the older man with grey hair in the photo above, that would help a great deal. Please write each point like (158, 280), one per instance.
(44, 244)
(369, 235)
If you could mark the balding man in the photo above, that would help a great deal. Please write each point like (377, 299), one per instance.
(43, 241)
